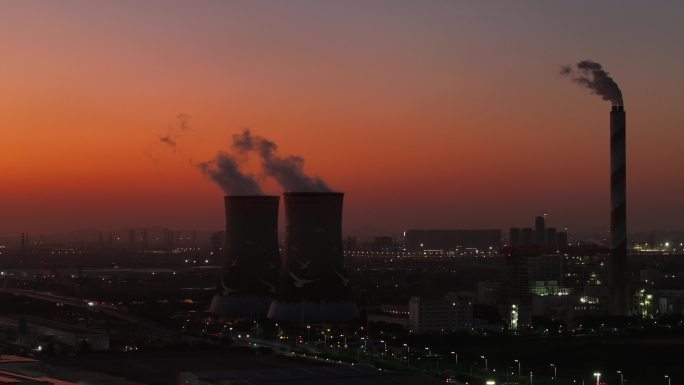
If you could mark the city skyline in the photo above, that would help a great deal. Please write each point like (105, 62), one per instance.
(423, 117)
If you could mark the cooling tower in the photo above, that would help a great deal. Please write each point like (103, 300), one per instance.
(247, 283)
(313, 286)
(618, 213)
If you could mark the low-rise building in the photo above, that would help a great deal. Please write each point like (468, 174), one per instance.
(439, 315)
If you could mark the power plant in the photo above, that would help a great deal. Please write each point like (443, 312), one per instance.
(313, 286)
(247, 283)
(618, 212)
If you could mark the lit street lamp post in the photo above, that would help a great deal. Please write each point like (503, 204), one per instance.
(385, 343)
(308, 334)
(668, 379)
(530, 378)
(622, 379)
(598, 378)
(555, 373)
(519, 371)
(408, 355)
(485, 360)
(455, 358)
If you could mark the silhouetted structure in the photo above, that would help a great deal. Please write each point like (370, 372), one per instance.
(539, 231)
(526, 236)
(562, 240)
(417, 240)
(550, 239)
(313, 285)
(618, 213)
(247, 283)
(514, 237)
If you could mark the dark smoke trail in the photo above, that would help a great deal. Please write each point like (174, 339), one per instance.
(592, 75)
(225, 172)
(287, 171)
(173, 133)
(169, 141)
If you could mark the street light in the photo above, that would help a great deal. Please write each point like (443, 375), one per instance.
(455, 358)
(530, 378)
(668, 379)
(429, 352)
(518, 362)
(485, 360)
(622, 379)
(408, 355)
(308, 334)
(555, 373)
(598, 378)
(385, 343)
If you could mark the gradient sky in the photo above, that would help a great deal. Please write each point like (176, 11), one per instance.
(425, 113)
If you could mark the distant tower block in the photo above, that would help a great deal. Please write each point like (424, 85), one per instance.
(540, 231)
(551, 238)
(526, 236)
(248, 281)
(313, 286)
(514, 237)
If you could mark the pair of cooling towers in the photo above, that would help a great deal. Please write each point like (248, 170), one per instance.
(308, 284)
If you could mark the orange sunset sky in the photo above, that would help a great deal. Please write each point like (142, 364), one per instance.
(425, 113)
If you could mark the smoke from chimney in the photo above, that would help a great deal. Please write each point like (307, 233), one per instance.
(173, 133)
(287, 171)
(592, 75)
(224, 170)
(169, 141)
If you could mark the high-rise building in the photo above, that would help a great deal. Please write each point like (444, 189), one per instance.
(561, 239)
(526, 236)
(514, 237)
(540, 231)
(550, 238)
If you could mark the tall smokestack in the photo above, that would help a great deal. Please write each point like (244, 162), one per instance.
(618, 212)
(313, 286)
(248, 280)
(593, 76)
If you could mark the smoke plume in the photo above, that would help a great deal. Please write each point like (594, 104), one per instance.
(168, 140)
(287, 171)
(224, 170)
(592, 75)
(173, 133)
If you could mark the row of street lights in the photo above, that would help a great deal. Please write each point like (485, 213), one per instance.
(486, 362)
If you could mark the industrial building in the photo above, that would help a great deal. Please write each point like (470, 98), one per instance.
(313, 285)
(248, 281)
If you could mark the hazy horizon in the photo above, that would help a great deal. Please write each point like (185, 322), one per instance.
(426, 114)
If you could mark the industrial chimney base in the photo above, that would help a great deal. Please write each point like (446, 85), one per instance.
(239, 305)
(313, 312)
